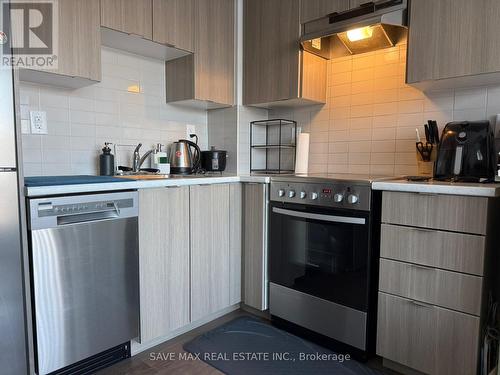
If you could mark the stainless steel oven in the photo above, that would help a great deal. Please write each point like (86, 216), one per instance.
(322, 258)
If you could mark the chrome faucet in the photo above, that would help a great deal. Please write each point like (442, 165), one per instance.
(138, 160)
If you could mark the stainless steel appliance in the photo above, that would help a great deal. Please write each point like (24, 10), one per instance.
(13, 332)
(182, 160)
(84, 256)
(466, 152)
(323, 257)
(368, 27)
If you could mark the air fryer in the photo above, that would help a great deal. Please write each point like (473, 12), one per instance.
(466, 152)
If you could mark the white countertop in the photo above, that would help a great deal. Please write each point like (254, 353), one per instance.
(439, 187)
(39, 191)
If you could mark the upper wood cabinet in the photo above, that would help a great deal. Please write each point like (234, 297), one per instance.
(273, 64)
(207, 76)
(313, 9)
(129, 16)
(453, 43)
(173, 23)
(79, 47)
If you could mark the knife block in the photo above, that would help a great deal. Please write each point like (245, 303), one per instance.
(426, 168)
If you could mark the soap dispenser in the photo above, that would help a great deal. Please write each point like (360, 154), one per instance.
(106, 161)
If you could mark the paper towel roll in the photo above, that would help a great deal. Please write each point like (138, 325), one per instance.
(302, 153)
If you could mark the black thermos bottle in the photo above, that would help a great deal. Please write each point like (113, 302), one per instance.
(106, 161)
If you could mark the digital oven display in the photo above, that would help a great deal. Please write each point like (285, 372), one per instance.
(327, 191)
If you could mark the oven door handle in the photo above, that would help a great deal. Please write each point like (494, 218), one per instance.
(321, 217)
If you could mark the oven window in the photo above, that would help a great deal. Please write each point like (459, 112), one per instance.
(321, 258)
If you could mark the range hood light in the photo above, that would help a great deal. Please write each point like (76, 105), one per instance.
(360, 34)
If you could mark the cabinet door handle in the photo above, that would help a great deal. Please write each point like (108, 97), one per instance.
(421, 304)
(418, 266)
(424, 230)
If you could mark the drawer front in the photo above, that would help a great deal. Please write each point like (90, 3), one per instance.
(452, 290)
(427, 338)
(448, 212)
(447, 250)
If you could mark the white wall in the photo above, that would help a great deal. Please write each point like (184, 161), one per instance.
(80, 121)
(368, 123)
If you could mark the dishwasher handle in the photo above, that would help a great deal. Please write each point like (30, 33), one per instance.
(88, 217)
(53, 212)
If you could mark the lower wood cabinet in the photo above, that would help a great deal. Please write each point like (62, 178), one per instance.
(427, 338)
(435, 276)
(235, 241)
(210, 282)
(255, 280)
(189, 255)
(163, 261)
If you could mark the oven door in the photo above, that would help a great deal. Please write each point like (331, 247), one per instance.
(321, 252)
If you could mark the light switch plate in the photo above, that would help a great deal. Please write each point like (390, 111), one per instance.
(38, 122)
(25, 127)
(190, 129)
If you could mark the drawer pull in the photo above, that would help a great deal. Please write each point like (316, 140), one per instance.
(422, 267)
(421, 304)
(424, 230)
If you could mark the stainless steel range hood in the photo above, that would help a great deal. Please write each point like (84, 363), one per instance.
(371, 26)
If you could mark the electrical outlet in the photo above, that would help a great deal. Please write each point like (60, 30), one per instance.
(190, 129)
(38, 122)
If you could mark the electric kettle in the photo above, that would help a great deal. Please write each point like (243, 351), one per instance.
(182, 160)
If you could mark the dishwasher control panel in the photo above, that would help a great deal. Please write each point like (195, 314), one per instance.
(74, 209)
(49, 209)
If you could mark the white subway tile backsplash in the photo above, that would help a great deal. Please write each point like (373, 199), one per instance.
(470, 98)
(373, 114)
(81, 120)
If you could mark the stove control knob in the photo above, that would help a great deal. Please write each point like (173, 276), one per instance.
(281, 192)
(337, 198)
(314, 196)
(291, 194)
(353, 198)
(303, 194)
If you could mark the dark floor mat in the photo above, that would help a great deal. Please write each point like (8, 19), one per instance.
(247, 346)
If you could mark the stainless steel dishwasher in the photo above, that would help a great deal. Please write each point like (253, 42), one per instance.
(85, 272)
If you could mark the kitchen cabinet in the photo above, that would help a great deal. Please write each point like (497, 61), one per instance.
(274, 72)
(313, 9)
(173, 23)
(255, 279)
(163, 261)
(210, 254)
(235, 241)
(79, 47)
(128, 16)
(206, 78)
(435, 271)
(453, 43)
(426, 338)
(356, 3)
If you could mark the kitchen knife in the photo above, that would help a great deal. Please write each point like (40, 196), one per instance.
(427, 133)
(431, 132)
(436, 131)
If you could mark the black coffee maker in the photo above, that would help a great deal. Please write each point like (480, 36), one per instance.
(466, 152)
